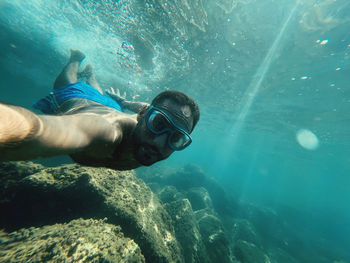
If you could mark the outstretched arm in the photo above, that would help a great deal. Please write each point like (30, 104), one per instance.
(25, 135)
(134, 106)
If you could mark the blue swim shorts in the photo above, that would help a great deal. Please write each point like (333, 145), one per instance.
(51, 103)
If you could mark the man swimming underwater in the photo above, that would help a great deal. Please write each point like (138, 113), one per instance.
(91, 127)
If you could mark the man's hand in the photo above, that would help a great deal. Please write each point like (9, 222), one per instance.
(133, 106)
(116, 96)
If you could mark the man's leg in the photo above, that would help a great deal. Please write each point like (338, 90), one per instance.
(89, 74)
(69, 73)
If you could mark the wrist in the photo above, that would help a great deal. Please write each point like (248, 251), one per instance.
(17, 124)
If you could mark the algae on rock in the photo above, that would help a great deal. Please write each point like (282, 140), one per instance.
(187, 231)
(78, 241)
(65, 193)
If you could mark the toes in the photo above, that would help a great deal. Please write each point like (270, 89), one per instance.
(76, 55)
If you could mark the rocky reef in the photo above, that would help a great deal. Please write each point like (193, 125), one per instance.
(39, 197)
(74, 213)
(77, 241)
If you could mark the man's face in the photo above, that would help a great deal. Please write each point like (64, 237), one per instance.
(150, 147)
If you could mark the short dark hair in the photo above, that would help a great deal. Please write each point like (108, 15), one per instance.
(180, 98)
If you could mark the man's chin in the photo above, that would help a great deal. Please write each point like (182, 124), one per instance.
(145, 161)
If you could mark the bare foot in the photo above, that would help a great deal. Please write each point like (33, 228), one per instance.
(86, 72)
(76, 55)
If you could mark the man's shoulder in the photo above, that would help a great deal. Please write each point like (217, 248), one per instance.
(83, 106)
(77, 105)
(113, 116)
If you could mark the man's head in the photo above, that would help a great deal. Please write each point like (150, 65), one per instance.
(165, 126)
(189, 108)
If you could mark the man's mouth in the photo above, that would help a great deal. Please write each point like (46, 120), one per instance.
(148, 154)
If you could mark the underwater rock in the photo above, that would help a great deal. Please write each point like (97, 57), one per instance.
(249, 253)
(244, 230)
(213, 236)
(56, 195)
(280, 255)
(191, 176)
(169, 194)
(155, 187)
(273, 228)
(199, 198)
(261, 217)
(11, 171)
(193, 185)
(78, 241)
(187, 232)
(187, 177)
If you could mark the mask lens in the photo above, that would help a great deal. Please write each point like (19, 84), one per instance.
(179, 140)
(157, 122)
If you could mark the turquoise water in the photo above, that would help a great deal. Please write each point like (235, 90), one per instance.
(271, 79)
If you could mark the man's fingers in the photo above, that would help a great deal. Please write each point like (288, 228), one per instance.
(110, 91)
(116, 94)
